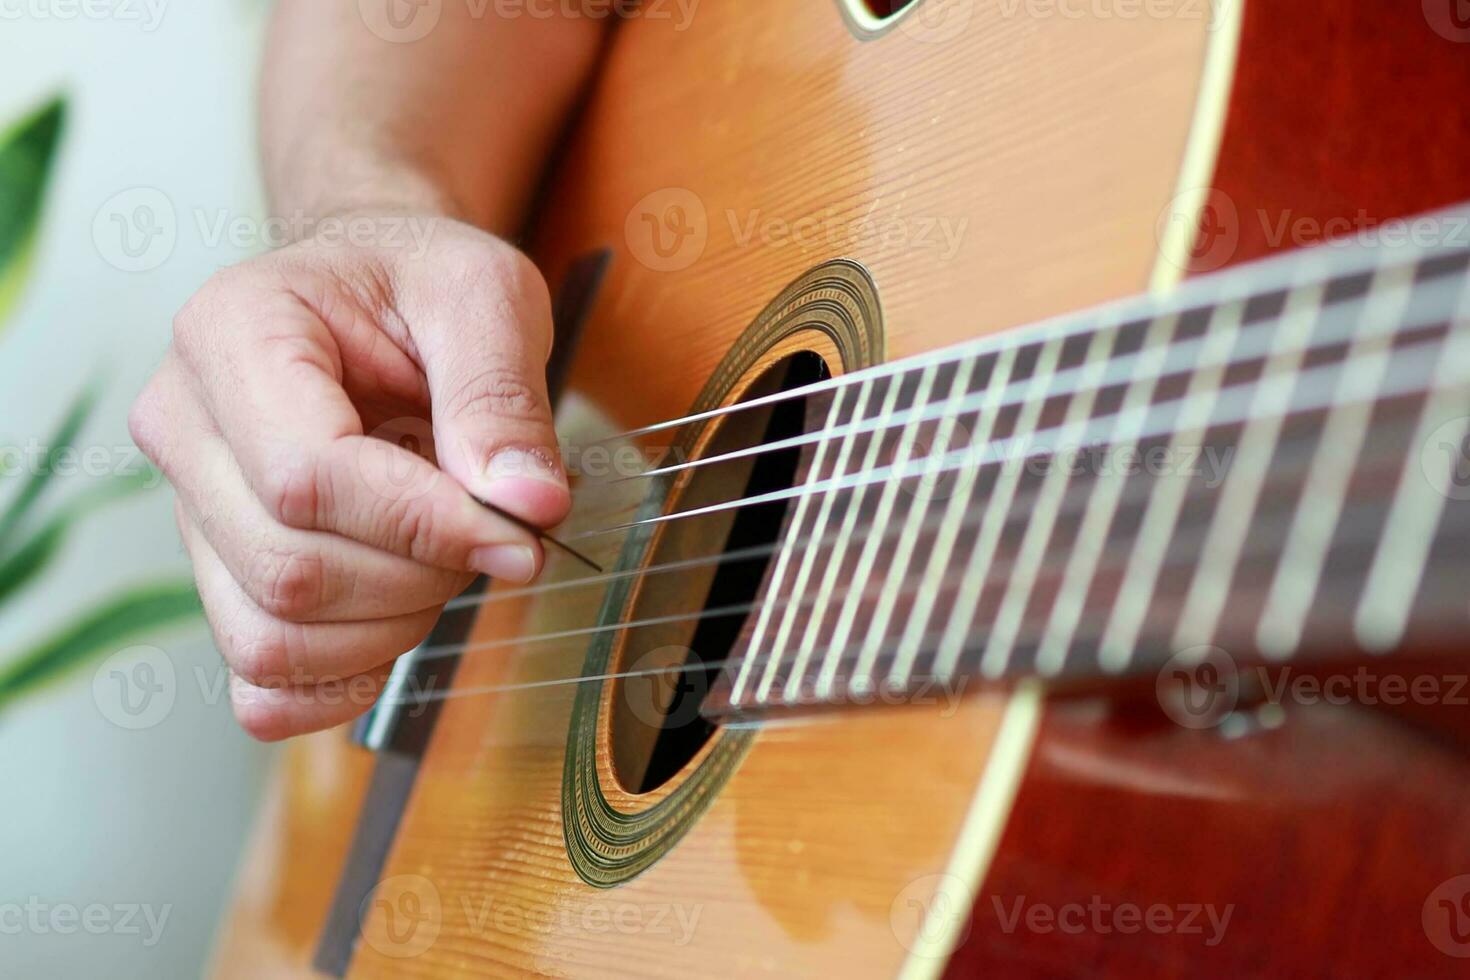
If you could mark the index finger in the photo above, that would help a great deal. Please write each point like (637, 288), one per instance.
(278, 399)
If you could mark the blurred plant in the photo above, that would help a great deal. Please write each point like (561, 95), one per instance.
(30, 543)
(27, 151)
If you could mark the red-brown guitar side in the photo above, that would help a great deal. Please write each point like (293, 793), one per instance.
(1328, 836)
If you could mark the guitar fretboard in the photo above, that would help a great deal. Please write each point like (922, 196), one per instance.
(1272, 462)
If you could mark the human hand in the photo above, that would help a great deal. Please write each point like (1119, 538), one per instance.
(323, 548)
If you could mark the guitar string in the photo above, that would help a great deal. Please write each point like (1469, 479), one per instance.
(1341, 540)
(919, 472)
(1271, 274)
(1032, 633)
(1333, 326)
(1280, 478)
(1181, 300)
(1322, 376)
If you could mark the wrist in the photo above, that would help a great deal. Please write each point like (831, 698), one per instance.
(363, 188)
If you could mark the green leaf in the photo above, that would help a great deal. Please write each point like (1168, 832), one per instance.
(27, 153)
(64, 436)
(105, 630)
(20, 565)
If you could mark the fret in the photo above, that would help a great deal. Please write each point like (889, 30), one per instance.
(1042, 520)
(1336, 325)
(909, 535)
(1413, 517)
(1102, 503)
(1319, 390)
(955, 510)
(814, 548)
(1324, 493)
(839, 556)
(784, 557)
(1167, 496)
(868, 557)
(1237, 497)
(977, 569)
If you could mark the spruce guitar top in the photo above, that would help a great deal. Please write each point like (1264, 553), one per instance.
(1022, 463)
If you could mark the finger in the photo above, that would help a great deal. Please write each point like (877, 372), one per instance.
(483, 343)
(380, 494)
(266, 651)
(267, 369)
(271, 714)
(279, 403)
(308, 576)
(293, 575)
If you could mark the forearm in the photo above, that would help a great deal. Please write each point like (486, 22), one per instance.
(458, 122)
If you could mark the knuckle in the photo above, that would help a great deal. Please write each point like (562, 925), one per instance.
(292, 490)
(144, 423)
(199, 317)
(400, 513)
(287, 585)
(417, 529)
(521, 281)
(506, 283)
(193, 319)
(497, 393)
(257, 714)
(262, 659)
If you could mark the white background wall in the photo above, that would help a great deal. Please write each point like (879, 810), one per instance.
(91, 813)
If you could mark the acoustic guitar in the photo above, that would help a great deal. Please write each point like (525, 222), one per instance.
(1020, 458)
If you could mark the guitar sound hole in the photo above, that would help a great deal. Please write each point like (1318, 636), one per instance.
(885, 8)
(656, 723)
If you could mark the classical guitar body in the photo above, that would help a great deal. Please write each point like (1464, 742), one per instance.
(786, 192)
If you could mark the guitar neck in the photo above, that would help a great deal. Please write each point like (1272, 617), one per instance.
(1270, 463)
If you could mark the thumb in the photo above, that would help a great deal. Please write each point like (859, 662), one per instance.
(485, 362)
